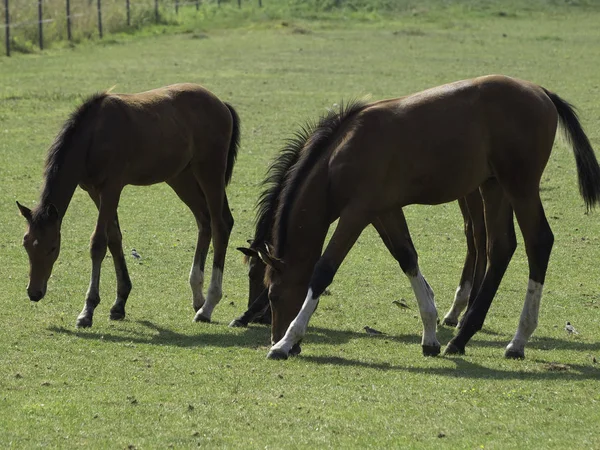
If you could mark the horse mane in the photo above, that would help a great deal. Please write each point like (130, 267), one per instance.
(278, 171)
(57, 153)
(309, 144)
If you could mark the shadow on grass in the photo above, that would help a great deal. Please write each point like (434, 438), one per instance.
(469, 369)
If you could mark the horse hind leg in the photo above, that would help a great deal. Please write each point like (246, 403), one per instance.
(212, 183)
(461, 297)
(476, 260)
(393, 230)
(349, 228)
(538, 239)
(187, 189)
(501, 244)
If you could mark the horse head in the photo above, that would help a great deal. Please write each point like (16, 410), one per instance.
(42, 243)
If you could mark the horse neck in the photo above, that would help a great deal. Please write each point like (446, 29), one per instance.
(60, 182)
(308, 224)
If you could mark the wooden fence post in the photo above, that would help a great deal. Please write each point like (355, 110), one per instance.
(260, 3)
(7, 23)
(100, 18)
(176, 6)
(239, 3)
(40, 25)
(156, 11)
(128, 13)
(68, 6)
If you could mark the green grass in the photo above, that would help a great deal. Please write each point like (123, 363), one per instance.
(158, 380)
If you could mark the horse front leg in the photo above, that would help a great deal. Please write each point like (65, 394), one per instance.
(115, 245)
(98, 244)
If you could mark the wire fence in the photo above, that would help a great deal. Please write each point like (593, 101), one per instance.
(29, 22)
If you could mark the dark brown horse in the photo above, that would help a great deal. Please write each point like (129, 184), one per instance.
(364, 164)
(259, 310)
(182, 135)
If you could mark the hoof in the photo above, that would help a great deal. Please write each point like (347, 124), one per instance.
(452, 349)
(450, 323)
(201, 318)
(277, 355)
(117, 314)
(83, 322)
(514, 354)
(295, 351)
(431, 350)
(235, 323)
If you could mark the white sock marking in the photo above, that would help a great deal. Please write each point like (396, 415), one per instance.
(529, 317)
(214, 294)
(297, 328)
(461, 299)
(426, 302)
(197, 284)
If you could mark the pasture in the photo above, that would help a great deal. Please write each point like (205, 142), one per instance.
(158, 380)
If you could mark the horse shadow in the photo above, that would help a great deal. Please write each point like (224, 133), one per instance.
(258, 336)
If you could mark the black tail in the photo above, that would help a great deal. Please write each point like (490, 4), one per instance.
(588, 171)
(233, 144)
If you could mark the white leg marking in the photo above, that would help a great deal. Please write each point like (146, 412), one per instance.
(461, 299)
(297, 328)
(529, 317)
(197, 284)
(426, 302)
(215, 292)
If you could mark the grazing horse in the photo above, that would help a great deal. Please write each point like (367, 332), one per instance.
(259, 310)
(180, 134)
(364, 164)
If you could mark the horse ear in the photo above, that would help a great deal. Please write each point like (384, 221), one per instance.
(25, 212)
(52, 212)
(267, 257)
(249, 252)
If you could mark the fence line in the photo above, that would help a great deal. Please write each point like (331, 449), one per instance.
(69, 16)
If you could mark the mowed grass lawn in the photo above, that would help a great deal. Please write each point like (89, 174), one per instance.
(157, 380)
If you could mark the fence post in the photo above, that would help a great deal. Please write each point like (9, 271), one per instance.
(7, 23)
(128, 13)
(100, 18)
(68, 20)
(219, 3)
(239, 3)
(156, 11)
(176, 6)
(197, 5)
(40, 25)
(260, 3)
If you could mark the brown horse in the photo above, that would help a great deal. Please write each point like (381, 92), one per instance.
(180, 134)
(364, 164)
(259, 310)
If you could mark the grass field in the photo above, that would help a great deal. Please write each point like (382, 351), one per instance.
(157, 380)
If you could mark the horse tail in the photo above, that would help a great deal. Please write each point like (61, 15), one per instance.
(233, 144)
(588, 170)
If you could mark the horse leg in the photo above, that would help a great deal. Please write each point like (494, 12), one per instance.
(188, 190)
(472, 209)
(115, 238)
(538, 239)
(257, 309)
(394, 232)
(212, 183)
(475, 205)
(107, 213)
(501, 244)
(461, 297)
(349, 228)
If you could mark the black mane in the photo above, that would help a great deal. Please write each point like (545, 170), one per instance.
(308, 146)
(274, 182)
(60, 147)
